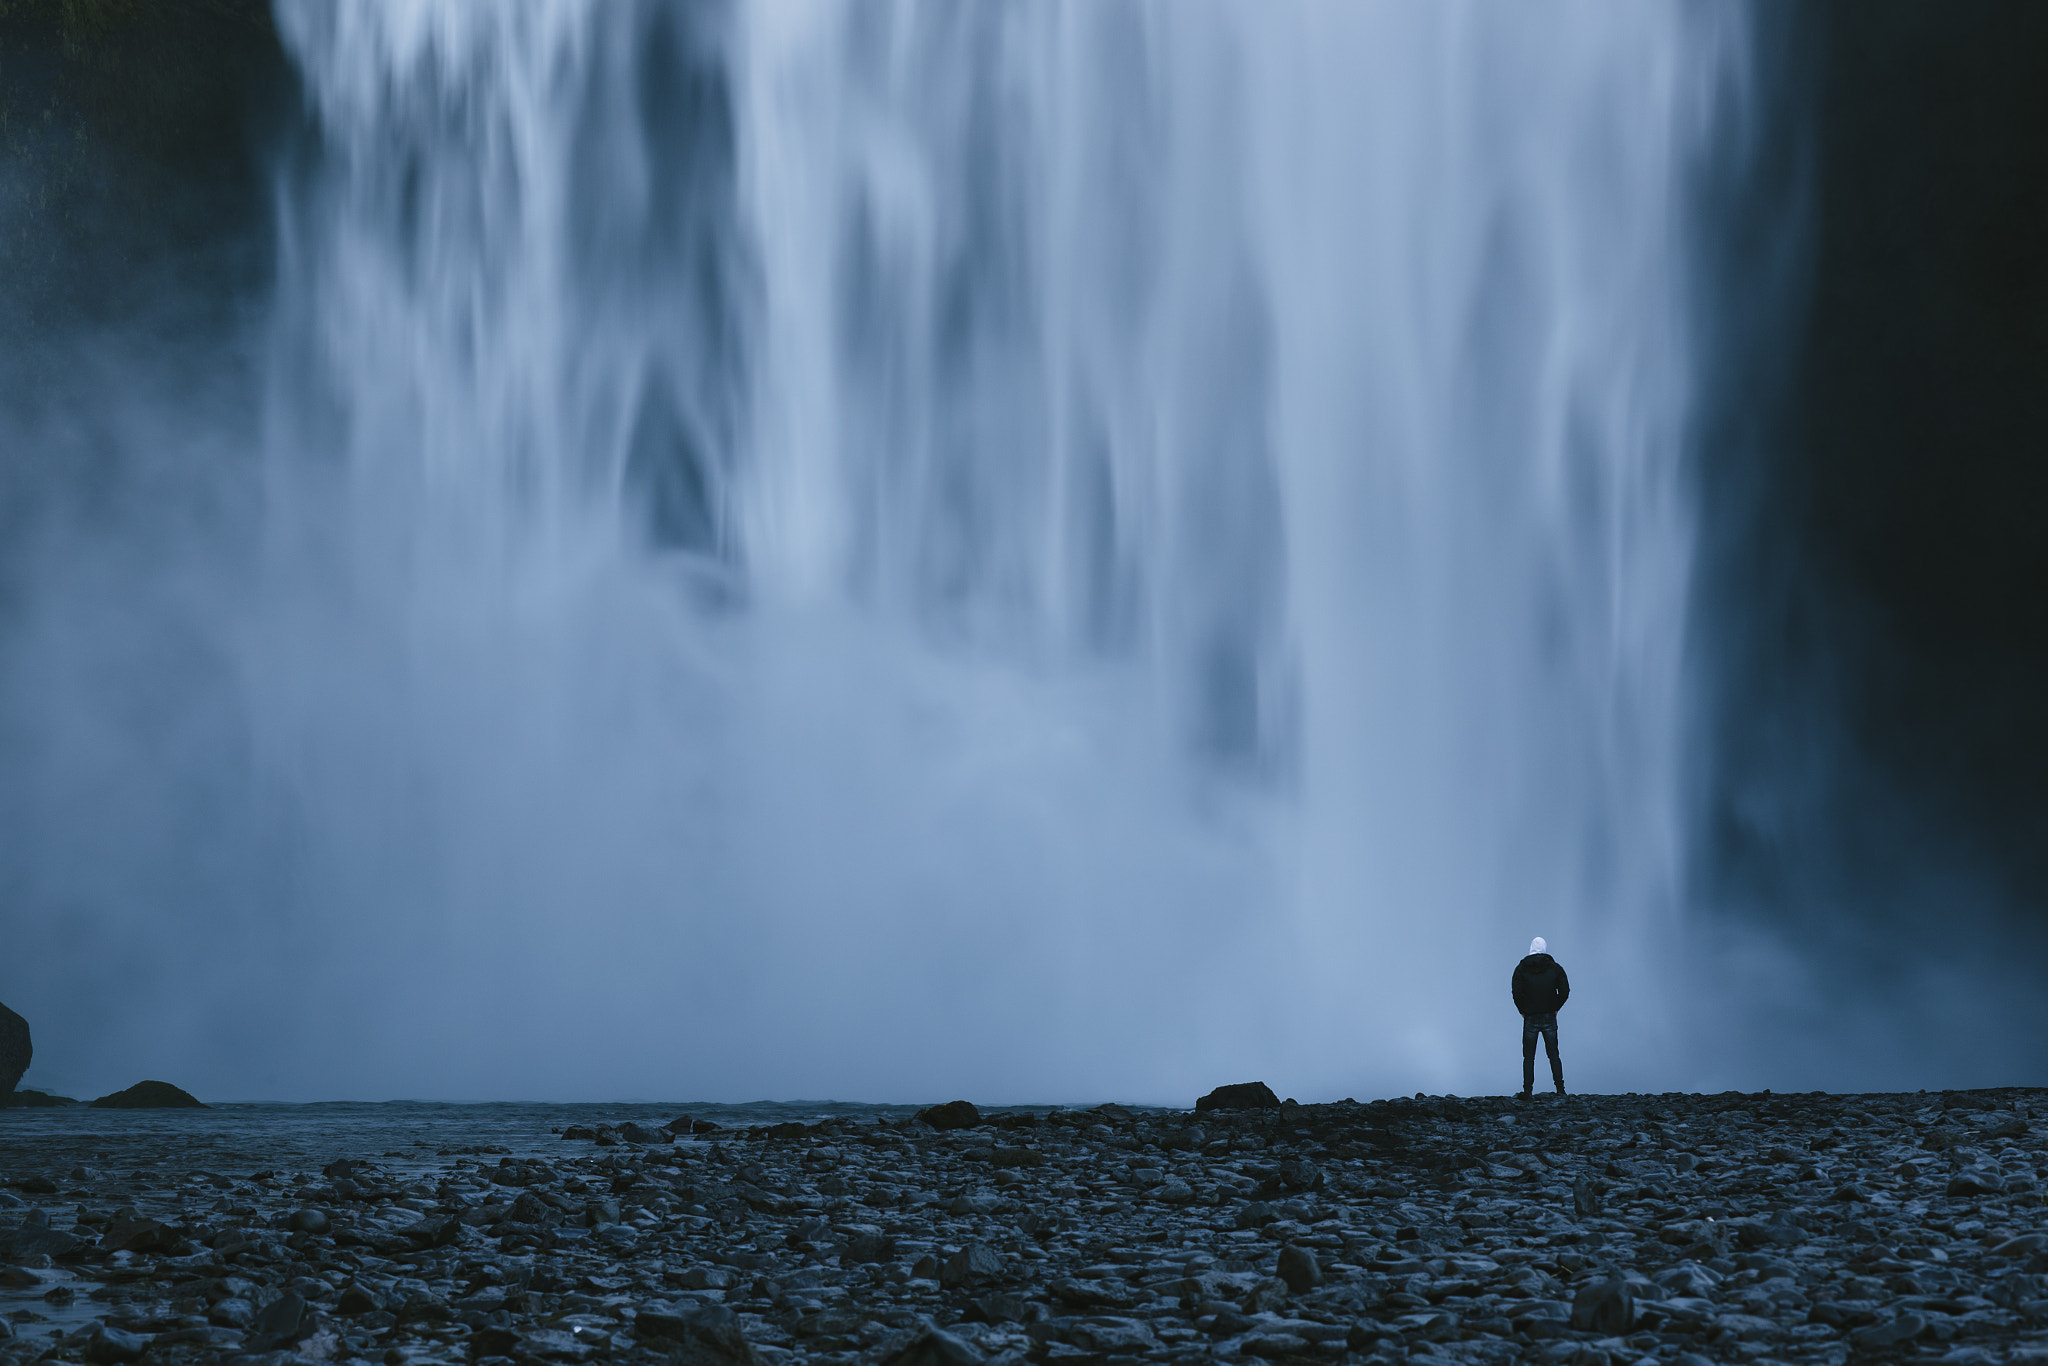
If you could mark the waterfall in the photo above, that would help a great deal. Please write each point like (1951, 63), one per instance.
(888, 548)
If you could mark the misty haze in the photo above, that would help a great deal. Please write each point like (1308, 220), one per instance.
(1047, 552)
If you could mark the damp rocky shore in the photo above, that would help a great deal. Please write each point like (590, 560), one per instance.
(1586, 1230)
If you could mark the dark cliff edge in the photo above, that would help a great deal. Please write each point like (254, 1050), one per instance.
(1872, 756)
(16, 1051)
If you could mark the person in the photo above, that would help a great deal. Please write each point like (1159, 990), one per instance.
(1541, 989)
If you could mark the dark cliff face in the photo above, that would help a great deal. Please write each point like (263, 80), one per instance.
(135, 138)
(16, 1050)
(1876, 477)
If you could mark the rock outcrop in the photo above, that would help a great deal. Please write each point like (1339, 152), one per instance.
(1244, 1095)
(34, 1100)
(15, 1050)
(149, 1095)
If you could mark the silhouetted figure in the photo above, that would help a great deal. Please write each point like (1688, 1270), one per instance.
(1541, 989)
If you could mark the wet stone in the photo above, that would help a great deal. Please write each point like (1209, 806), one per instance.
(1297, 1267)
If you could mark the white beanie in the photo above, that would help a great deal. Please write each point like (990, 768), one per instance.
(1537, 945)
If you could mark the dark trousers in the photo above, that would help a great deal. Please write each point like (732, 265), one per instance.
(1546, 1025)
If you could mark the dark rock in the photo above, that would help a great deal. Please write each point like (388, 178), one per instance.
(34, 1100)
(107, 1345)
(711, 1336)
(2012, 1126)
(1299, 1174)
(1977, 1182)
(1244, 1095)
(1299, 1268)
(491, 1341)
(310, 1221)
(1085, 1294)
(865, 1243)
(679, 1126)
(1836, 1315)
(530, 1209)
(1116, 1338)
(1587, 1201)
(1226, 1321)
(356, 1300)
(34, 1237)
(1004, 1156)
(280, 1323)
(954, 1114)
(16, 1049)
(129, 1232)
(1904, 1328)
(441, 1230)
(427, 1308)
(926, 1345)
(148, 1095)
(1003, 1307)
(641, 1134)
(1605, 1306)
(971, 1265)
(1257, 1214)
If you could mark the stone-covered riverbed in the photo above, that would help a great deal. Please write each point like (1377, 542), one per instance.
(1587, 1229)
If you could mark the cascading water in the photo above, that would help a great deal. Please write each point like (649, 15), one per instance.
(1036, 550)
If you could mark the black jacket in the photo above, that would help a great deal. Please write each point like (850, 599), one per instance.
(1541, 987)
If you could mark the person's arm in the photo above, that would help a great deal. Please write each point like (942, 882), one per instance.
(1564, 986)
(1519, 988)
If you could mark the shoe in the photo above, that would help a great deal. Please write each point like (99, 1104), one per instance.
(1521, 1095)
(1560, 1088)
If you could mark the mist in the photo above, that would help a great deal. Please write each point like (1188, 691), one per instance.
(1045, 553)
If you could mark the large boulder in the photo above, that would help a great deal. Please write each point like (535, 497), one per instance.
(954, 1114)
(149, 1095)
(15, 1050)
(1245, 1095)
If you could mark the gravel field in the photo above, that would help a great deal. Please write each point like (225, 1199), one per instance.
(1581, 1229)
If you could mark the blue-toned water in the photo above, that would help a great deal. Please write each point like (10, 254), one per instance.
(240, 1139)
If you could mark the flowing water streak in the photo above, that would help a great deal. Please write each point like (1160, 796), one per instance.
(1326, 366)
(896, 548)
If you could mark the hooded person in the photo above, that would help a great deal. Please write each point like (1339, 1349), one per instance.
(1541, 989)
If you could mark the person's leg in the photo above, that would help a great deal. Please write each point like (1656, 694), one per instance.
(1550, 1048)
(1528, 1055)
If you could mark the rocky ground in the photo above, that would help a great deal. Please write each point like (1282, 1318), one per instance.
(1585, 1229)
